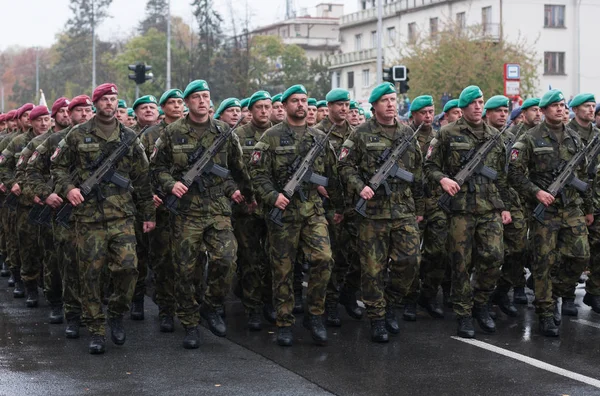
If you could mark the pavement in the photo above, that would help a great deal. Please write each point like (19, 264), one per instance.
(425, 358)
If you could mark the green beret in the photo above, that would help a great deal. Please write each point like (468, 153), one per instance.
(337, 95)
(368, 115)
(160, 112)
(276, 98)
(171, 93)
(496, 101)
(468, 95)
(530, 103)
(353, 105)
(227, 103)
(143, 100)
(552, 96)
(130, 112)
(582, 98)
(294, 89)
(409, 114)
(244, 102)
(380, 90)
(258, 95)
(361, 111)
(195, 86)
(122, 104)
(312, 102)
(421, 101)
(321, 103)
(451, 104)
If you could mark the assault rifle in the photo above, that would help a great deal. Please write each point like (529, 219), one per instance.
(473, 166)
(566, 176)
(203, 165)
(106, 172)
(302, 174)
(389, 168)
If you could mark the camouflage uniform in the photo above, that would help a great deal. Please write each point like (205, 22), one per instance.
(304, 223)
(250, 230)
(388, 239)
(560, 246)
(204, 222)
(475, 233)
(104, 222)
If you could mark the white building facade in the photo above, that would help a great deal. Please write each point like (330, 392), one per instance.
(561, 32)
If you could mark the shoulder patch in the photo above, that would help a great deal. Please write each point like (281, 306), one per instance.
(2, 159)
(518, 146)
(58, 150)
(33, 157)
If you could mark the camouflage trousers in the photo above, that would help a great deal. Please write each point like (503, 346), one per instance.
(561, 253)
(142, 250)
(31, 248)
(253, 264)
(312, 236)
(515, 253)
(3, 234)
(69, 271)
(12, 244)
(162, 264)
(592, 285)
(6, 233)
(50, 264)
(390, 246)
(475, 244)
(345, 274)
(191, 237)
(106, 244)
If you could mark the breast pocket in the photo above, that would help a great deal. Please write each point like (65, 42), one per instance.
(544, 159)
(181, 154)
(375, 155)
(90, 154)
(459, 154)
(284, 162)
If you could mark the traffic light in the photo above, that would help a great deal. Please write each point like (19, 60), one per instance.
(404, 83)
(140, 75)
(388, 74)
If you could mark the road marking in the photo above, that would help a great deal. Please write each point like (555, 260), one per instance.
(532, 362)
(586, 322)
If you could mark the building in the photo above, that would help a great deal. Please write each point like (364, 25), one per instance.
(560, 29)
(317, 35)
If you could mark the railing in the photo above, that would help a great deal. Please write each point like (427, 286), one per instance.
(388, 10)
(490, 31)
(353, 57)
(312, 41)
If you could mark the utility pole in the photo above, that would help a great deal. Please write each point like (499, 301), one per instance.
(2, 94)
(379, 45)
(93, 45)
(168, 46)
(37, 70)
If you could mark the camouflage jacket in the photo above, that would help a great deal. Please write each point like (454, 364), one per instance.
(447, 155)
(271, 167)
(10, 158)
(151, 135)
(586, 135)
(520, 129)
(84, 149)
(338, 135)
(538, 154)
(179, 148)
(360, 158)
(20, 169)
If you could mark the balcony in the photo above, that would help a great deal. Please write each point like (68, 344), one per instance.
(326, 43)
(489, 31)
(390, 9)
(353, 58)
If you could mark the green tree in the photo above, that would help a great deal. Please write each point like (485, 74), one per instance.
(210, 36)
(156, 16)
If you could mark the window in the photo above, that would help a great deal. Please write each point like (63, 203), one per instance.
(412, 33)
(365, 78)
(554, 63)
(486, 17)
(461, 20)
(358, 42)
(297, 30)
(350, 80)
(433, 26)
(335, 79)
(554, 16)
(391, 35)
(374, 39)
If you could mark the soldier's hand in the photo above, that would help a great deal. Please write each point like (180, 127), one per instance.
(589, 219)
(506, 217)
(148, 226)
(323, 192)
(545, 198)
(367, 193)
(338, 218)
(237, 197)
(281, 202)
(74, 196)
(251, 206)
(53, 200)
(157, 201)
(179, 189)
(450, 186)
(420, 219)
(2, 187)
(16, 189)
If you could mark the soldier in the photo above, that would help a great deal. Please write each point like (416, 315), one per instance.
(388, 237)
(345, 274)
(2, 122)
(4, 271)
(277, 110)
(353, 114)
(60, 114)
(560, 245)
(229, 111)
(304, 223)
(361, 116)
(130, 118)
(250, 227)
(211, 110)
(245, 111)
(583, 106)
(104, 222)
(478, 211)
(322, 110)
(516, 118)
(532, 116)
(596, 116)
(311, 115)
(122, 112)
(515, 233)
(38, 177)
(204, 221)
(146, 112)
(451, 111)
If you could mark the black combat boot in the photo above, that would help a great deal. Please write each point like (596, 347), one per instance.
(465, 327)
(284, 336)
(298, 302)
(32, 295)
(269, 313)
(482, 314)
(19, 290)
(215, 322)
(519, 296)
(332, 315)
(568, 307)
(410, 311)
(4, 272)
(391, 322)
(254, 321)
(137, 310)
(56, 314)
(11, 280)
(556, 315)
(72, 330)
(348, 300)
(192, 338)
(378, 331)
(314, 323)
(167, 324)
(592, 301)
(117, 330)
(548, 326)
(431, 306)
(97, 344)
(501, 299)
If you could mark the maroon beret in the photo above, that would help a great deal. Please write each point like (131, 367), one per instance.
(81, 100)
(2, 117)
(59, 104)
(23, 109)
(38, 111)
(104, 89)
(11, 115)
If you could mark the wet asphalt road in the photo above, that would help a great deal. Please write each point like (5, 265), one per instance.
(424, 359)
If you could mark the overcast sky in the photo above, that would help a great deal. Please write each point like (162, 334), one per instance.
(30, 23)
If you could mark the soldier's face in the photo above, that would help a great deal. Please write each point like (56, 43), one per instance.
(322, 112)
(130, 121)
(473, 112)
(532, 115)
(311, 115)
(278, 112)
(519, 119)
(62, 117)
(2, 125)
(296, 106)
(121, 115)
(173, 109)
(261, 112)
(361, 119)
(497, 117)
(81, 114)
(198, 104)
(585, 112)
(106, 106)
(41, 124)
(25, 123)
(453, 115)
(353, 117)
(338, 111)
(385, 108)
(554, 113)
(147, 114)
(425, 115)
(246, 114)
(231, 115)
(11, 124)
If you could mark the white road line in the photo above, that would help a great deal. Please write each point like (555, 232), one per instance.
(533, 362)
(586, 322)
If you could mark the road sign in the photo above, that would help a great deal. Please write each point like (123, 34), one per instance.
(512, 88)
(512, 71)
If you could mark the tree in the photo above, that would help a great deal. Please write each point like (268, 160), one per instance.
(209, 35)
(86, 15)
(157, 12)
